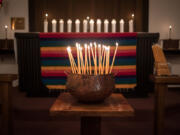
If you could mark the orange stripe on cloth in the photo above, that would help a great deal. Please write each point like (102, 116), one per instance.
(74, 48)
(118, 86)
(63, 87)
(44, 68)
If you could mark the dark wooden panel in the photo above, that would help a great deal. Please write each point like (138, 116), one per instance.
(94, 8)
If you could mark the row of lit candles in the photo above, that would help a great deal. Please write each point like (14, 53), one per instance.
(100, 55)
(88, 24)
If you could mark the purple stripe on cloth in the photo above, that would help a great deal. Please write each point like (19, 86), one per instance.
(86, 35)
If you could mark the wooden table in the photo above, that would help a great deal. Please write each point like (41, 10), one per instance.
(114, 106)
(161, 86)
(6, 98)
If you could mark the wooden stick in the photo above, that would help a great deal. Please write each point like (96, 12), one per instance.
(112, 64)
(104, 54)
(95, 59)
(82, 61)
(92, 54)
(89, 59)
(108, 59)
(68, 50)
(78, 59)
(74, 63)
(99, 57)
(86, 62)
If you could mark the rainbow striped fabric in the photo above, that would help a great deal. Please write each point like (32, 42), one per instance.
(54, 57)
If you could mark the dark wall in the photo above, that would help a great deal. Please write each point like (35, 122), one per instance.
(80, 9)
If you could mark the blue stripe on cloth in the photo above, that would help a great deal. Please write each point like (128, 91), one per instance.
(62, 81)
(73, 42)
(65, 62)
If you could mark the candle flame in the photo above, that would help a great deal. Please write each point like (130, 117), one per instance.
(54, 21)
(113, 21)
(69, 49)
(106, 21)
(170, 27)
(98, 21)
(46, 15)
(132, 16)
(5, 26)
(77, 21)
(69, 21)
(121, 21)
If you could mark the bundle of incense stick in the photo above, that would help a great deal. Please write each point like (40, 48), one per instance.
(92, 59)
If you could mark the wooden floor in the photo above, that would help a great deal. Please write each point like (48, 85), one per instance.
(32, 117)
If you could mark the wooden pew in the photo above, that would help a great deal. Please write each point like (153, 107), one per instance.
(162, 78)
(6, 101)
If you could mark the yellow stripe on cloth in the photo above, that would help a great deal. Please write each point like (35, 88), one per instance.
(118, 86)
(74, 48)
(44, 68)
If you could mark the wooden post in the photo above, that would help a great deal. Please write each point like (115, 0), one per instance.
(90, 125)
(6, 90)
(160, 90)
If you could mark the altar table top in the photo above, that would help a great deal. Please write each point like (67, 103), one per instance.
(114, 106)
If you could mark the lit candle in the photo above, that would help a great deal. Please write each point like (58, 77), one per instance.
(46, 23)
(86, 60)
(89, 54)
(92, 55)
(78, 59)
(113, 24)
(6, 28)
(91, 22)
(69, 50)
(82, 60)
(77, 22)
(99, 57)
(106, 23)
(61, 25)
(95, 58)
(132, 16)
(121, 25)
(170, 30)
(131, 26)
(104, 57)
(54, 22)
(112, 64)
(98, 25)
(85, 25)
(69, 25)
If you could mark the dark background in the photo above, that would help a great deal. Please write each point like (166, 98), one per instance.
(102, 9)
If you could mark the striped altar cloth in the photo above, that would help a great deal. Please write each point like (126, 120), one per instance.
(55, 61)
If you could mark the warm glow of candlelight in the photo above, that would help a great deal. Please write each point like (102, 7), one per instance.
(46, 15)
(170, 27)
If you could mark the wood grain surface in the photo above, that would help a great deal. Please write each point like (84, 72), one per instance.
(115, 105)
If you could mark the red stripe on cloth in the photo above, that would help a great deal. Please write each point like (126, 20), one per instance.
(86, 35)
(65, 54)
(55, 73)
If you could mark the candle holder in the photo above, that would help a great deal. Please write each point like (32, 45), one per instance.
(87, 83)
(90, 88)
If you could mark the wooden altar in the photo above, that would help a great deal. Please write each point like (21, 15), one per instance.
(28, 46)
